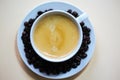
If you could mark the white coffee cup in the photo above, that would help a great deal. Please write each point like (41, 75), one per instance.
(75, 20)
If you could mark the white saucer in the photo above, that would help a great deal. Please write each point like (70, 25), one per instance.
(56, 6)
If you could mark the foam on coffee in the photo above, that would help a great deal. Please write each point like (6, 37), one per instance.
(56, 36)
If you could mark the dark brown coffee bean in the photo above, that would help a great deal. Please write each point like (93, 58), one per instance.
(26, 24)
(86, 48)
(33, 59)
(83, 55)
(40, 12)
(88, 41)
(69, 11)
(36, 65)
(31, 21)
(27, 55)
(85, 42)
(82, 24)
(86, 37)
(50, 9)
(26, 50)
(88, 29)
(75, 14)
(74, 65)
(29, 61)
(77, 58)
(41, 69)
(84, 29)
(64, 70)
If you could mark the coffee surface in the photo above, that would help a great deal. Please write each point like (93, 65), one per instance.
(56, 36)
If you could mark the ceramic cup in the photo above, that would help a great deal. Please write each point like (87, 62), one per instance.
(77, 21)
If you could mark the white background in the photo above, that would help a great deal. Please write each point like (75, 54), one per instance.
(105, 17)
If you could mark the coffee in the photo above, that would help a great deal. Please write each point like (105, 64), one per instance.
(56, 36)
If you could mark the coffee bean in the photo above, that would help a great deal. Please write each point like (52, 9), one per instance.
(27, 55)
(40, 12)
(29, 61)
(88, 41)
(88, 29)
(78, 59)
(86, 48)
(78, 62)
(41, 69)
(86, 37)
(31, 21)
(45, 10)
(26, 24)
(69, 11)
(36, 65)
(75, 14)
(74, 65)
(83, 55)
(68, 68)
(64, 70)
(50, 9)
(33, 59)
(85, 29)
(82, 24)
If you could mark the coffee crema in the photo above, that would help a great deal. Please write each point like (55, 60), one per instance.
(55, 36)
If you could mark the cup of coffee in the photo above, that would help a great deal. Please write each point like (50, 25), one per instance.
(56, 35)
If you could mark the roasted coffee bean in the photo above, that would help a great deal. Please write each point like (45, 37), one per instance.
(40, 12)
(50, 9)
(86, 37)
(64, 70)
(33, 59)
(26, 50)
(27, 30)
(24, 33)
(85, 42)
(48, 72)
(86, 33)
(54, 71)
(84, 29)
(88, 41)
(36, 65)
(82, 24)
(46, 11)
(28, 46)
(86, 48)
(74, 65)
(41, 69)
(78, 63)
(26, 24)
(29, 61)
(31, 21)
(69, 11)
(88, 29)
(27, 55)
(75, 14)
(68, 68)
(77, 58)
(83, 55)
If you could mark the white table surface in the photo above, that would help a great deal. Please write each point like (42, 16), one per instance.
(105, 17)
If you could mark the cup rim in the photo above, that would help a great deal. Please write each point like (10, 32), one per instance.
(73, 52)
